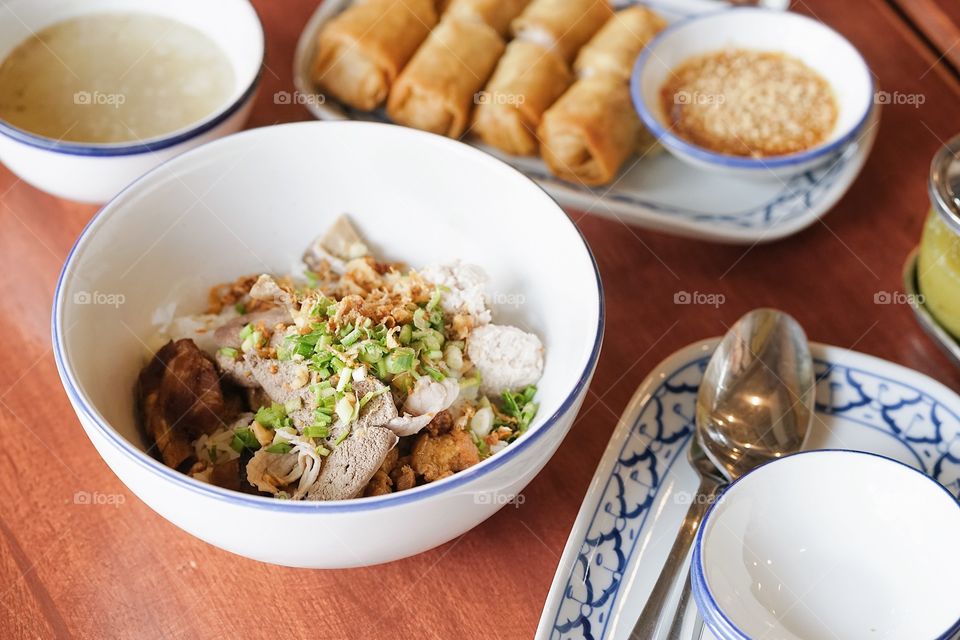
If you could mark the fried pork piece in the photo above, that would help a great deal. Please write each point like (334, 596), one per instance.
(181, 398)
(395, 474)
(436, 457)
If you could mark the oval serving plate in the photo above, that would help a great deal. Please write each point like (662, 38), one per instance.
(642, 488)
(658, 192)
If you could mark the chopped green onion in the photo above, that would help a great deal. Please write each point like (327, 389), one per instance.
(343, 436)
(246, 332)
(434, 299)
(251, 342)
(371, 353)
(400, 360)
(317, 431)
(244, 439)
(431, 338)
(406, 334)
(420, 319)
(351, 337)
(520, 405)
(273, 417)
(230, 352)
(482, 447)
(344, 409)
(436, 374)
(279, 447)
(370, 395)
(240, 308)
(345, 374)
(322, 451)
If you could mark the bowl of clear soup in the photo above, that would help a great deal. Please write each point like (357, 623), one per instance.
(94, 94)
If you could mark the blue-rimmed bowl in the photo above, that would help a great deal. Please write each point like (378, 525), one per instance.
(820, 47)
(830, 544)
(250, 203)
(97, 172)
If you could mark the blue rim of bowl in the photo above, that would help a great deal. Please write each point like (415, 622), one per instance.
(671, 140)
(151, 145)
(457, 480)
(707, 603)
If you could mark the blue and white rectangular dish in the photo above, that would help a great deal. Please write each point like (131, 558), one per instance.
(642, 487)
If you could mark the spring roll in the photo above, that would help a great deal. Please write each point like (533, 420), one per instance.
(616, 46)
(527, 81)
(437, 90)
(591, 130)
(496, 13)
(561, 25)
(361, 51)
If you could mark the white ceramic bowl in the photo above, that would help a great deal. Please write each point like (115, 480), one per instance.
(830, 544)
(820, 47)
(97, 172)
(249, 204)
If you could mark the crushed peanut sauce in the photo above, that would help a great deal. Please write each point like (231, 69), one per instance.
(749, 103)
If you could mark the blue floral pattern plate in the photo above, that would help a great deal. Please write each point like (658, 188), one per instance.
(657, 192)
(643, 485)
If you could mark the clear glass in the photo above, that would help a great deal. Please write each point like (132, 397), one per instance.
(938, 272)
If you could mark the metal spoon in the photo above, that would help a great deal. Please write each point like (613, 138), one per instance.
(755, 404)
(756, 400)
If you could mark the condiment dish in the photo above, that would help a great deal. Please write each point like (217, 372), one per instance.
(821, 48)
(245, 204)
(91, 172)
(826, 544)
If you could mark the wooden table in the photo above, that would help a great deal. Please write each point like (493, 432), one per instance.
(122, 571)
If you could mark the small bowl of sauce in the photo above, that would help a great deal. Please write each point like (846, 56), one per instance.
(94, 94)
(753, 92)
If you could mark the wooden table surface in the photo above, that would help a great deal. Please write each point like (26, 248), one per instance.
(121, 571)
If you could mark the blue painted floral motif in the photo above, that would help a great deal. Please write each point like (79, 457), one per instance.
(927, 429)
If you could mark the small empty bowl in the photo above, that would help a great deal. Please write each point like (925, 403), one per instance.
(758, 29)
(830, 544)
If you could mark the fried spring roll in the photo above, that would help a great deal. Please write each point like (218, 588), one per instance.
(561, 25)
(615, 48)
(496, 13)
(437, 90)
(527, 81)
(361, 51)
(590, 131)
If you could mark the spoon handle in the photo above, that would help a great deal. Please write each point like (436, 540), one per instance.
(676, 629)
(649, 622)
